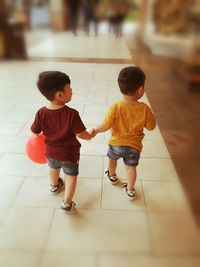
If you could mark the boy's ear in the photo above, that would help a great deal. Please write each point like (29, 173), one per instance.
(141, 90)
(58, 94)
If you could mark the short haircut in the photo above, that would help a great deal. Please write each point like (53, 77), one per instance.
(130, 79)
(50, 82)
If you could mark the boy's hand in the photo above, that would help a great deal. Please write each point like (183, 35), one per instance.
(92, 133)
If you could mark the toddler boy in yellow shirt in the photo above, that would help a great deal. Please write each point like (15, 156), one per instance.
(126, 121)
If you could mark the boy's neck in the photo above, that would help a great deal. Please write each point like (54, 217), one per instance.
(130, 99)
(53, 105)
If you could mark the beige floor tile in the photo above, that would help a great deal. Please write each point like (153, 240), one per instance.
(35, 193)
(10, 184)
(21, 165)
(27, 108)
(94, 119)
(93, 149)
(101, 87)
(3, 212)
(153, 135)
(99, 231)
(6, 199)
(5, 107)
(100, 94)
(17, 116)
(149, 169)
(12, 144)
(80, 91)
(114, 197)
(8, 128)
(100, 100)
(91, 166)
(156, 169)
(79, 108)
(76, 100)
(107, 134)
(150, 261)
(174, 233)
(111, 99)
(88, 193)
(95, 110)
(154, 149)
(25, 130)
(25, 228)
(13, 258)
(75, 259)
(8, 189)
(164, 196)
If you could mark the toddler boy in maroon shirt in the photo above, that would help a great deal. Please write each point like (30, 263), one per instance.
(61, 125)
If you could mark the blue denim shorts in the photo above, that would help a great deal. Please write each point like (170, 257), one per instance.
(130, 155)
(69, 168)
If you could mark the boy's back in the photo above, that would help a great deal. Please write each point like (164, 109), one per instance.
(127, 121)
(59, 127)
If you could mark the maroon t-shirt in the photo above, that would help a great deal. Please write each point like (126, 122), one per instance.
(59, 127)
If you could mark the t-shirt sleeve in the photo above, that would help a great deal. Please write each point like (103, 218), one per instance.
(150, 122)
(36, 125)
(77, 124)
(110, 117)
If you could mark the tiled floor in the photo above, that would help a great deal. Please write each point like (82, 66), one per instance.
(156, 229)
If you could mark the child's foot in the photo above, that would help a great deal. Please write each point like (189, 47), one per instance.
(55, 189)
(67, 206)
(129, 193)
(112, 179)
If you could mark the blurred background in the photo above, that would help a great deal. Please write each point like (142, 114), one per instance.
(168, 28)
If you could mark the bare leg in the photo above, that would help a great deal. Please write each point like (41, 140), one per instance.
(131, 175)
(54, 175)
(112, 165)
(70, 186)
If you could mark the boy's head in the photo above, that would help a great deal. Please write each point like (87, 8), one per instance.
(50, 82)
(130, 79)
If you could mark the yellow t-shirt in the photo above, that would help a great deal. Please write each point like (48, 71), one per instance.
(126, 123)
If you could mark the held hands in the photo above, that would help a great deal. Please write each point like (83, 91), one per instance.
(92, 133)
(87, 135)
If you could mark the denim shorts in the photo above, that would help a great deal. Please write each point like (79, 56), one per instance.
(130, 155)
(69, 168)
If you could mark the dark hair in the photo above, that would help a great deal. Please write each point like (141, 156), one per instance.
(130, 79)
(50, 82)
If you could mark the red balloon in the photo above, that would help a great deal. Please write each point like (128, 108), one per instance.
(35, 148)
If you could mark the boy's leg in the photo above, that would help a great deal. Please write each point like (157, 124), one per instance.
(70, 186)
(112, 165)
(56, 181)
(111, 171)
(131, 176)
(54, 176)
(129, 187)
(71, 171)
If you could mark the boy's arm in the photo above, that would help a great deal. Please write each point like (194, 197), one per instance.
(99, 129)
(36, 125)
(84, 135)
(150, 123)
